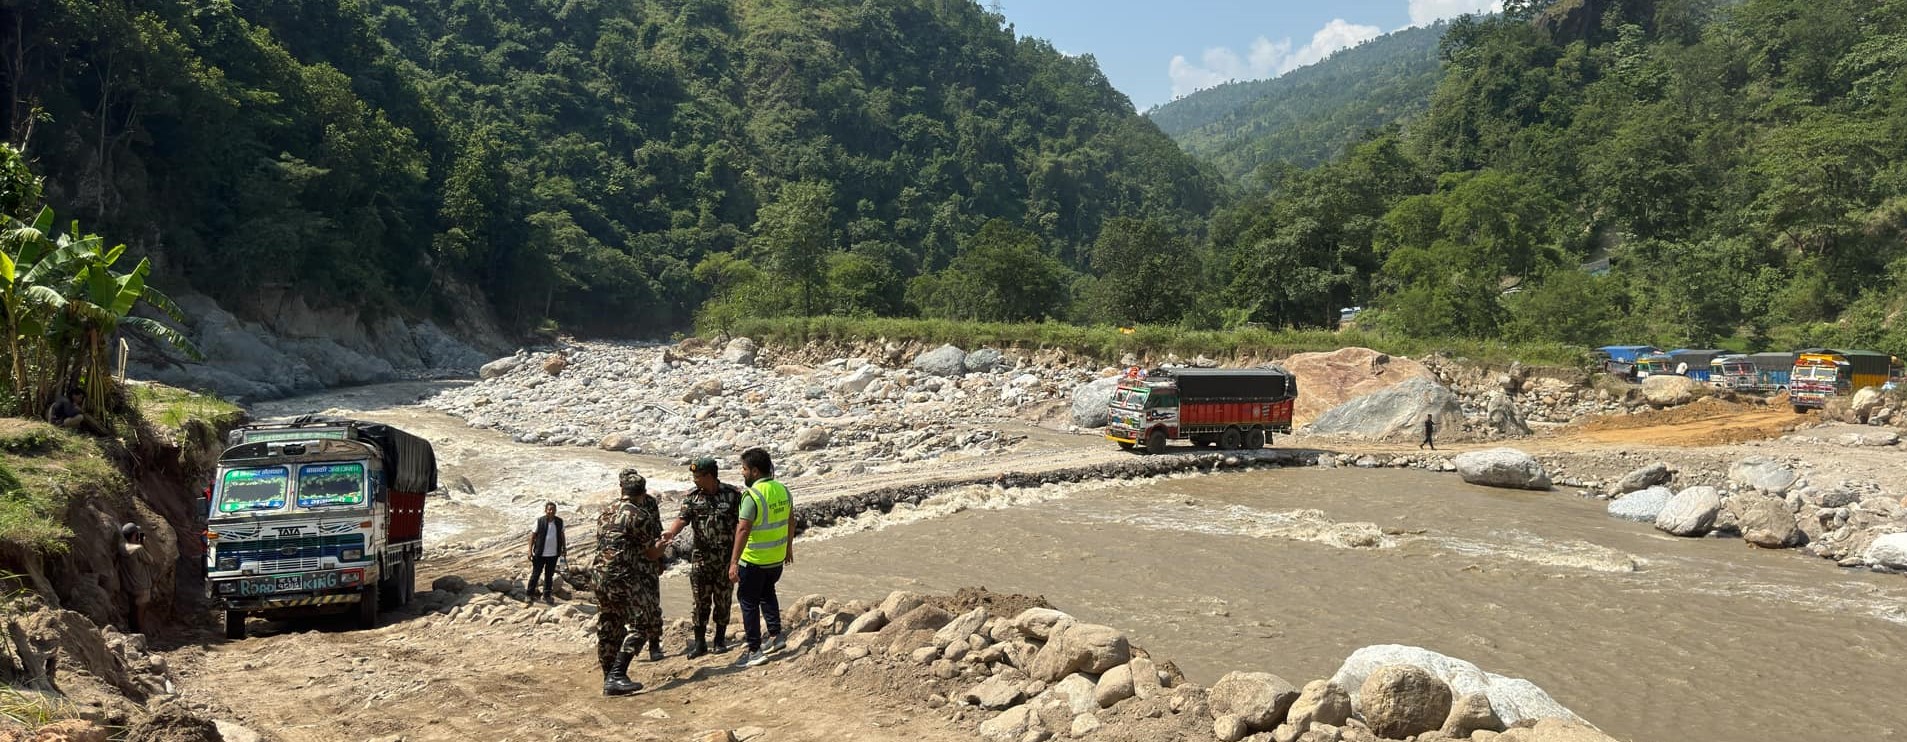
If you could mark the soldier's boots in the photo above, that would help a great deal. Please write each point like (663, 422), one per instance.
(698, 646)
(721, 639)
(655, 649)
(616, 681)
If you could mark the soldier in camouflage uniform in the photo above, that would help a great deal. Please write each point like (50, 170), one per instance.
(628, 569)
(711, 511)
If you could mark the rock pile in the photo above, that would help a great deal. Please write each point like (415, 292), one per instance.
(1395, 413)
(694, 400)
(1041, 674)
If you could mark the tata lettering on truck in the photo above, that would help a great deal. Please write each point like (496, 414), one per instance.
(319, 515)
(1233, 408)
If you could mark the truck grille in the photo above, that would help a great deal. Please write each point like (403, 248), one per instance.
(290, 551)
(289, 565)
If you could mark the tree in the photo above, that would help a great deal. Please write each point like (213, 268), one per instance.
(1002, 275)
(1146, 273)
(797, 232)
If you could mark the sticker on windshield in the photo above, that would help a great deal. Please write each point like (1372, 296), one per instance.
(325, 485)
(246, 490)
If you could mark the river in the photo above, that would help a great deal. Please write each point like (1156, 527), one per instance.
(1288, 571)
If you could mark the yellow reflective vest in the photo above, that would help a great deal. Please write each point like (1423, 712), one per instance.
(768, 534)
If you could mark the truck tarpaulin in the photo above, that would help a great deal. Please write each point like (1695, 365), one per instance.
(1235, 385)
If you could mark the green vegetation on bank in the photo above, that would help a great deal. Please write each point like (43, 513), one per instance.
(1110, 343)
(42, 469)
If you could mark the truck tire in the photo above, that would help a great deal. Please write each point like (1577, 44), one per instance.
(1231, 439)
(1799, 410)
(1155, 441)
(1255, 439)
(407, 584)
(234, 625)
(367, 607)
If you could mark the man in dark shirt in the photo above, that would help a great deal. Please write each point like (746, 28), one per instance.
(548, 543)
(711, 511)
(1430, 427)
(68, 412)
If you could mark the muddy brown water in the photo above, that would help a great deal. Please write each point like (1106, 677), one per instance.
(1649, 636)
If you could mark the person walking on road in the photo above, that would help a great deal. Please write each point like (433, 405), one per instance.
(764, 543)
(1430, 428)
(711, 511)
(628, 569)
(548, 543)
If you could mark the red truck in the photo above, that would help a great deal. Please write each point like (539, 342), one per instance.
(1234, 408)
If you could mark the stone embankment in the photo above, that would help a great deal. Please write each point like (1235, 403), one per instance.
(1037, 674)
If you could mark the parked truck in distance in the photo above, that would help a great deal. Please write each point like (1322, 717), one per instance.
(1234, 408)
(1821, 374)
(318, 515)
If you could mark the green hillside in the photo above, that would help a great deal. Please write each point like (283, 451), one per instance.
(1310, 114)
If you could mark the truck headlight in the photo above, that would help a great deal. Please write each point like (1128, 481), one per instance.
(351, 555)
(228, 564)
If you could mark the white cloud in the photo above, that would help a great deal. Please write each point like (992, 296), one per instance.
(1426, 12)
(1265, 58)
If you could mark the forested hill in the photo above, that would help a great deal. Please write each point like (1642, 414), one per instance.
(1310, 114)
(1741, 164)
(578, 160)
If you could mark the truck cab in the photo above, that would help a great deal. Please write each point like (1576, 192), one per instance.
(305, 519)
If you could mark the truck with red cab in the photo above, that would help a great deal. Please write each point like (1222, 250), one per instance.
(1237, 408)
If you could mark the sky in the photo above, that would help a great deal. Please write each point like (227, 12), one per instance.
(1155, 50)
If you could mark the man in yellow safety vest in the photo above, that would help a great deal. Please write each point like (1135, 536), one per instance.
(764, 542)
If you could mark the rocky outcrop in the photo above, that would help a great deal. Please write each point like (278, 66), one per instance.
(1328, 380)
(1690, 512)
(945, 360)
(1502, 467)
(297, 348)
(1395, 413)
(1514, 700)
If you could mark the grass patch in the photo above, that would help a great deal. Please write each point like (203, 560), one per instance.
(32, 709)
(1109, 343)
(175, 408)
(42, 468)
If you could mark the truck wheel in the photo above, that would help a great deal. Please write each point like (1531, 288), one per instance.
(1799, 410)
(1155, 441)
(1255, 439)
(407, 585)
(367, 607)
(234, 624)
(1124, 446)
(1231, 439)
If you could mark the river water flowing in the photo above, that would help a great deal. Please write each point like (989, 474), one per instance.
(1288, 571)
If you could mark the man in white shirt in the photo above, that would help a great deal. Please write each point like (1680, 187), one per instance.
(547, 544)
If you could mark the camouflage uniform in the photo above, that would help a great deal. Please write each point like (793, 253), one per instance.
(713, 520)
(627, 582)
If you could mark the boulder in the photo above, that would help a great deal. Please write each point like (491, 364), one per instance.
(1513, 699)
(1038, 623)
(450, 584)
(1470, 714)
(868, 622)
(1323, 702)
(1089, 648)
(813, 439)
(967, 624)
(709, 387)
(1502, 467)
(945, 360)
(984, 360)
(235, 732)
(1394, 413)
(1331, 379)
(1690, 512)
(1261, 699)
(1092, 400)
(1504, 418)
(1670, 391)
(997, 693)
(1653, 475)
(1084, 724)
(1866, 402)
(1114, 686)
(1765, 521)
(859, 381)
(740, 351)
(1555, 730)
(1888, 551)
(1763, 475)
(1641, 506)
(900, 602)
(1229, 728)
(500, 367)
(1012, 725)
(1399, 701)
(616, 442)
(555, 364)
(1145, 679)
(927, 618)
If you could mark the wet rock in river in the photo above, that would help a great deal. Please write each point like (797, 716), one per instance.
(1502, 467)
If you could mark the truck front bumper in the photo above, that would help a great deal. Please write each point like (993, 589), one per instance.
(264, 592)
(1122, 435)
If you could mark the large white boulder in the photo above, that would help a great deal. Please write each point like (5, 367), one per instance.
(1690, 512)
(1502, 467)
(1395, 413)
(1888, 551)
(1641, 506)
(1092, 401)
(1670, 391)
(1763, 475)
(1513, 699)
(945, 360)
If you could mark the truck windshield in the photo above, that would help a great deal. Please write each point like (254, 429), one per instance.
(330, 485)
(249, 490)
(1132, 399)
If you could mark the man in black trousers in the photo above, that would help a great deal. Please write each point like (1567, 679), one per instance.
(547, 544)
